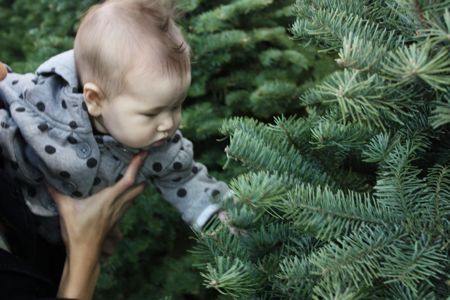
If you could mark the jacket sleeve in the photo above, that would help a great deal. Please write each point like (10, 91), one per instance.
(186, 183)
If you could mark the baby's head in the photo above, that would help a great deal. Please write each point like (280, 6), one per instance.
(134, 66)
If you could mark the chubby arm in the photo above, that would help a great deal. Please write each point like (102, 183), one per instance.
(85, 224)
(186, 183)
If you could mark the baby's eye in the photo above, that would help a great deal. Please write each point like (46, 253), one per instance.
(150, 115)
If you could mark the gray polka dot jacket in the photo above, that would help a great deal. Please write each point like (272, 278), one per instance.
(46, 135)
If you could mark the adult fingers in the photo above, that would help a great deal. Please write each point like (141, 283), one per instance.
(3, 71)
(125, 200)
(60, 199)
(130, 175)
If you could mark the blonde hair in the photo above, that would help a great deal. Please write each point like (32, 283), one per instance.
(119, 36)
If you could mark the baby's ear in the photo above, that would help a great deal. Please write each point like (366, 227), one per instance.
(94, 98)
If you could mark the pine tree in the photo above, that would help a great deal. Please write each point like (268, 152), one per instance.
(351, 200)
(244, 64)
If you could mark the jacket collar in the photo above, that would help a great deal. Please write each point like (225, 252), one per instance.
(63, 65)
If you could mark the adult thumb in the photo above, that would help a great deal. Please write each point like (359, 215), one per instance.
(3, 71)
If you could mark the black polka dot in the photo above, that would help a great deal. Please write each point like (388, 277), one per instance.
(97, 181)
(40, 106)
(20, 109)
(176, 179)
(177, 165)
(14, 165)
(91, 162)
(83, 105)
(72, 140)
(31, 191)
(182, 148)
(21, 96)
(77, 194)
(181, 192)
(176, 138)
(50, 149)
(215, 193)
(75, 90)
(4, 125)
(64, 104)
(73, 124)
(194, 170)
(157, 167)
(64, 174)
(119, 177)
(15, 82)
(42, 127)
(34, 80)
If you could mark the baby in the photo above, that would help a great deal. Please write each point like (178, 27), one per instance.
(78, 121)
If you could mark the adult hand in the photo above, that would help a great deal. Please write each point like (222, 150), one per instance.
(3, 71)
(85, 223)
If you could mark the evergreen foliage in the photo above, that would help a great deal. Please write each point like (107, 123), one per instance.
(351, 200)
(244, 63)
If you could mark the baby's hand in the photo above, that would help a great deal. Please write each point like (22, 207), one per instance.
(223, 216)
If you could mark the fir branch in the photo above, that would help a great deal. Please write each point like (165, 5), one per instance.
(267, 240)
(440, 115)
(411, 263)
(356, 257)
(261, 149)
(273, 93)
(438, 30)
(215, 240)
(378, 149)
(328, 28)
(274, 36)
(439, 182)
(401, 292)
(333, 290)
(407, 64)
(221, 18)
(296, 130)
(338, 138)
(221, 41)
(362, 99)
(331, 215)
(399, 188)
(232, 277)
(259, 191)
(295, 276)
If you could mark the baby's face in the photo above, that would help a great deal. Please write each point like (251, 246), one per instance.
(148, 112)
